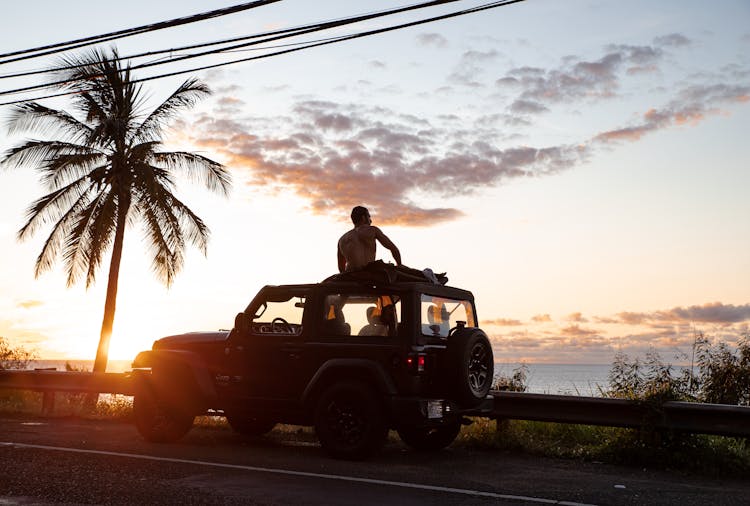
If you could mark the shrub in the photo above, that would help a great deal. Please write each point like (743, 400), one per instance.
(516, 382)
(724, 373)
(649, 380)
(14, 357)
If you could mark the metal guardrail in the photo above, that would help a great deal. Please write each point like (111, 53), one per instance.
(694, 417)
(720, 419)
(67, 381)
(50, 382)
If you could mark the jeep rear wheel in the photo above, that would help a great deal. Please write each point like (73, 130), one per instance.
(157, 420)
(473, 365)
(430, 438)
(249, 425)
(349, 421)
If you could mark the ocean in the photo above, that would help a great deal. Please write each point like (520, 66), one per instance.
(565, 379)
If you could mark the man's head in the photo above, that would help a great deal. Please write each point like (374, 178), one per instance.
(361, 216)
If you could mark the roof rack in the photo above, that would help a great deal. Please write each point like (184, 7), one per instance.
(381, 272)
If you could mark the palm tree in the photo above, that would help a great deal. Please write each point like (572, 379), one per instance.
(106, 171)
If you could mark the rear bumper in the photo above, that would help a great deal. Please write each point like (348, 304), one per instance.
(428, 412)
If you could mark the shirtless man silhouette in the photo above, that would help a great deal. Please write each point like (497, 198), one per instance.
(356, 248)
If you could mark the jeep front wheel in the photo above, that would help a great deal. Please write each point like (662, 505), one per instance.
(430, 438)
(156, 419)
(349, 421)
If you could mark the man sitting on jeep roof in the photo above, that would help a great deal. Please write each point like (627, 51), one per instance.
(356, 248)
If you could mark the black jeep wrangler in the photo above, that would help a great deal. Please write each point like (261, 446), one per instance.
(355, 355)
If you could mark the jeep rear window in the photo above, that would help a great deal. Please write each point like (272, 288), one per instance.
(361, 315)
(440, 314)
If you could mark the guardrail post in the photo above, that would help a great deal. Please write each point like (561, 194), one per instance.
(501, 425)
(48, 399)
(48, 403)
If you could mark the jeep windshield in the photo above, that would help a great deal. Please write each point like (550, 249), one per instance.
(440, 314)
(279, 312)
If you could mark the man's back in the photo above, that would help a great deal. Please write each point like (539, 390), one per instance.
(358, 247)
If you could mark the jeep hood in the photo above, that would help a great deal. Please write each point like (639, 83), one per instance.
(181, 341)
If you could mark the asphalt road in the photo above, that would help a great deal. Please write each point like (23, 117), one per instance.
(73, 461)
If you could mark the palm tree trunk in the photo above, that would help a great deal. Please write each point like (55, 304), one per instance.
(102, 351)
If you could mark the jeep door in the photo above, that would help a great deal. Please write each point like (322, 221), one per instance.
(270, 353)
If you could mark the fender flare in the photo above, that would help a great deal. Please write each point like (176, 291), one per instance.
(371, 371)
(187, 362)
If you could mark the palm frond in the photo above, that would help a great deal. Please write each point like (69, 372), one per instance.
(60, 231)
(53, 206)
(191, 226)
(165, 243)
(90, 236)
(198, 168)
(33, 116)
(36, 152)
(187, 95)
(66, 167)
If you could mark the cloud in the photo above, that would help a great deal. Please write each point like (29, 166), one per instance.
(341, 155)
(28, 304)
(713, 312)
(576, 317)
(471, 65)
(576, 79)
(578, 331)
(691, 107)
(672, 40)
(528, 107)
(541, 318)
(432, 39)
(503, 322)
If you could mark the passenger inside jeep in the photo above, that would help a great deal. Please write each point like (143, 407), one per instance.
(375, 326)
(438, 321)
(361, 315)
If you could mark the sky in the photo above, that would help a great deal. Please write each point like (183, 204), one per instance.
(580, 166)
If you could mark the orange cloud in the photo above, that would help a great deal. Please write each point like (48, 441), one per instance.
(502, 322)
(28, 304)
(541, 318)
(691, 107)
(339, 156)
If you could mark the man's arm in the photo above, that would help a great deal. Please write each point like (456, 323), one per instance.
(380, 236)
(341, 259)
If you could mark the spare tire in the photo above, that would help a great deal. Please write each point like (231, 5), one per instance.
(472, 365)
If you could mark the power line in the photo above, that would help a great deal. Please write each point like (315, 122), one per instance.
(287, 32)
(95, 39)
(488, 6)
(322, 42)
(270, 36)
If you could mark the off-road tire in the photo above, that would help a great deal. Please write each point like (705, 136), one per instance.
(430, 438)
(472, 365)
(156, 419)
(349, 421)
(248, 425)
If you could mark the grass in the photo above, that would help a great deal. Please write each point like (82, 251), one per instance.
(708, 455)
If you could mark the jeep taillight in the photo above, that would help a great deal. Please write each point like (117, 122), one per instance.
(416, 362)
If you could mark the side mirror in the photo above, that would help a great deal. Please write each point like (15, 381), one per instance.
(242, 323)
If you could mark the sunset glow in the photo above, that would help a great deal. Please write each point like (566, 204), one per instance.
(580, 166)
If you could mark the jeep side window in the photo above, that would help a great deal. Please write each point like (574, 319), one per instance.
(280, 315)
(361, 315)
(440, 314)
